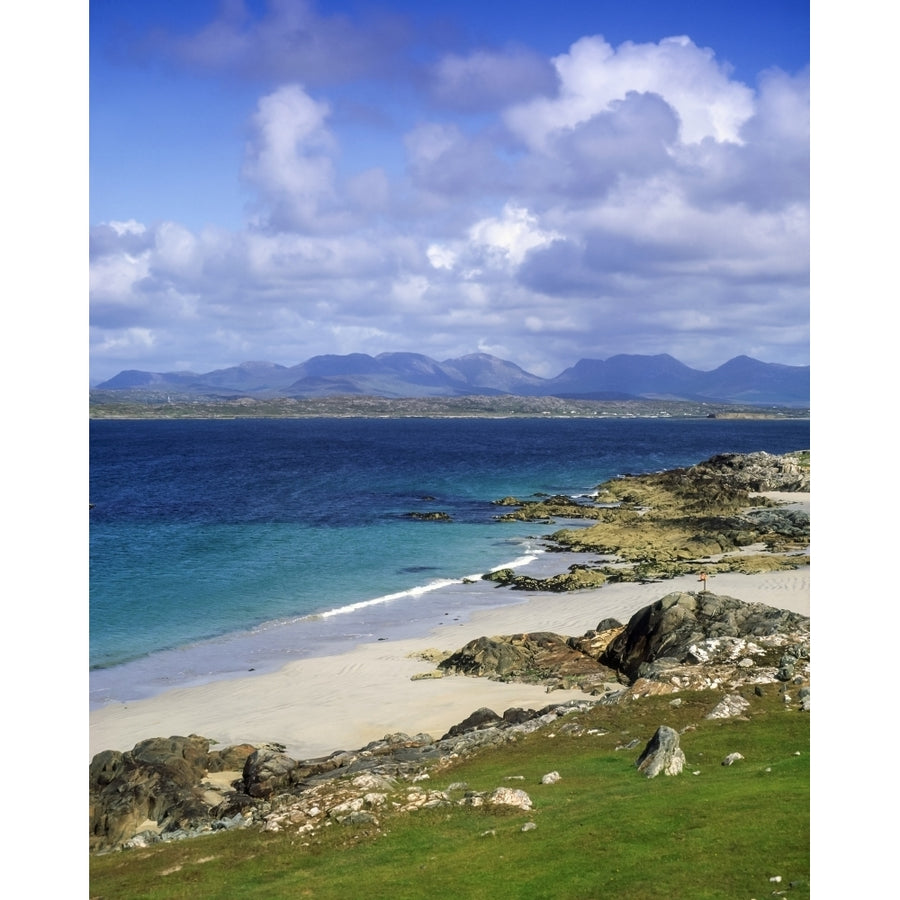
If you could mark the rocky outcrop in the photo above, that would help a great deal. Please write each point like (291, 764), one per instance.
(157, 786)
(538, 657)
(681, 521)
(684, 640)
(759, 472)
(691, 627)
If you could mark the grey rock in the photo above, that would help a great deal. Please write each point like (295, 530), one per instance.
(504, 796)
(672, 627)
(662, 754)
(729, 707)
(267, 771)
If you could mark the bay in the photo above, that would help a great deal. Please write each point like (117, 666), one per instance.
(218, 547)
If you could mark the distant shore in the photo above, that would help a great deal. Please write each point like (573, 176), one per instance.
(160, 405)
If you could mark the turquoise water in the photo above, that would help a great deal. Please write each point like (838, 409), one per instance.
(222, 546)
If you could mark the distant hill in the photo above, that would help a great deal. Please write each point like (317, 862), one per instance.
(741, 380)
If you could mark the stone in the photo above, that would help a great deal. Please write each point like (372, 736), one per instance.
(729, 707)
(504, 796)
(481, 718)
(675, 625)
(267, 771)
(662, 754)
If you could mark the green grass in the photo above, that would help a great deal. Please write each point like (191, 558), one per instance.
(603, 831)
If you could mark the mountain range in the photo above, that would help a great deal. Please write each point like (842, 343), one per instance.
(741, 380)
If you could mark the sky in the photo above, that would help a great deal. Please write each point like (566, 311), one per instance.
(544, 182)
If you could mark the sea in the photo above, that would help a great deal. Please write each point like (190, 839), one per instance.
(224, 547)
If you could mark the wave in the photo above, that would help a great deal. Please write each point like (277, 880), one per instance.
(387, 598)
(419, 589)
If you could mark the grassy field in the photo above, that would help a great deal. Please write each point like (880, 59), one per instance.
(603, 831)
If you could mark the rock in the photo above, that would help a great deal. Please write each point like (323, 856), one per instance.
(229, 759)
(504, 796)
(517, 715)
(480, 719)
(673, 626)
(662, 754)
(156, 782)
(729, 707)
(550, 778)
(267, 771)
(533, 658)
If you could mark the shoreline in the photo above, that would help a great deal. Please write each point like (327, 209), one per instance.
(342, 701)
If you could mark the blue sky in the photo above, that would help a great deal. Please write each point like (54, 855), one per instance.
(540, 181)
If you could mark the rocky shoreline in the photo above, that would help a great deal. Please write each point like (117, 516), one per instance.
(184, 786)
(167, 789)
(709, 518)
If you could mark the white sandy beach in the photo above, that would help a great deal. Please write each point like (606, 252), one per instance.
(317, 705)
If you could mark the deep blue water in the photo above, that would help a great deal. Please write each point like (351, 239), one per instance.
(203, 531)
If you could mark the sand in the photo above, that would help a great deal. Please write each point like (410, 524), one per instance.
(318, 705)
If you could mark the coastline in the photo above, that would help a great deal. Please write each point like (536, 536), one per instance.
(319, 704)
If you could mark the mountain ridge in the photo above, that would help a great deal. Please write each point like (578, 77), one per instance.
(741, 380)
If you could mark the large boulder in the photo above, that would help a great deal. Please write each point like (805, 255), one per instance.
(672, 627)
(154, 785)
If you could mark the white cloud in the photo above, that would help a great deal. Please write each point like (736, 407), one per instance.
(129, 227)
(290, 157)
(593, 75)
(441, 257)
(498, 243)
(510, 236)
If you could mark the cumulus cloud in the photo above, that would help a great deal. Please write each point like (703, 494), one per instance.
(289, 161)
(593, 74)
(444, 161)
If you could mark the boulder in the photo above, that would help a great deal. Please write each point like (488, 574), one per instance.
(662, 754)
(267, 771)
(504, 796)
(673, 626)
(155, 784)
